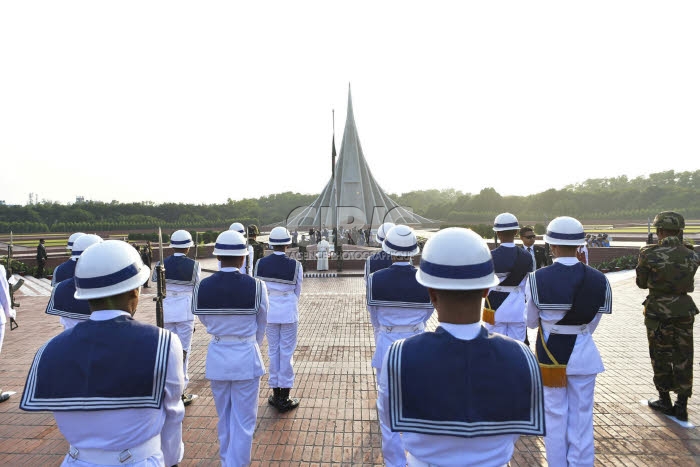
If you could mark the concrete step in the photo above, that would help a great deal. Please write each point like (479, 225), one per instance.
(33, 287)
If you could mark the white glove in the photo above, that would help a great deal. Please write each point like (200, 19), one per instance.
(13, 313)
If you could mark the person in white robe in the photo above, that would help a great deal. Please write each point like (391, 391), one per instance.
(323, 249)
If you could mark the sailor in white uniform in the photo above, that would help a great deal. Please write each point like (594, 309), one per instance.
(512, 266)
(66, 269)
(248, 265)
(127, 409)
(380, 259)
(6, 312)
(233, 308)
(181, 276)
(461, 395)
(63, 302)
(399, 307)
(565, 301)
(283, 276)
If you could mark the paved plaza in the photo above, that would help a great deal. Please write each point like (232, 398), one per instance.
(336, 423)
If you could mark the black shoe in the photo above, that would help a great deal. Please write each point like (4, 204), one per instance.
(662, 404)
(274, 399)
(187, 399)
(680, 410)
(4, 396)
(287, 403)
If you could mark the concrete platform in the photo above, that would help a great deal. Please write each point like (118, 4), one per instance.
(336, 423)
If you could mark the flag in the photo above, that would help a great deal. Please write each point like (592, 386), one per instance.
(333, 158)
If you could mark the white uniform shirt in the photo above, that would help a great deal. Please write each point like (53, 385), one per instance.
(585, 358)
(7, 311)
(231, 360)
(443, 450)
(284, 298)
(394, 316)
(177, 306)
(116, 430)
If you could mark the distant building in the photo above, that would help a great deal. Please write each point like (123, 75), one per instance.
(79, 199)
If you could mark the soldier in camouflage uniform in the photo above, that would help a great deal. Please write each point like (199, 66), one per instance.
(668, 269)
(258, 248)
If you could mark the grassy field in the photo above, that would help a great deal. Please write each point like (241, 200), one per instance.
(50, 239)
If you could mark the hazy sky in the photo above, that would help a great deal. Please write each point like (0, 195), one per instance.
(198, 102)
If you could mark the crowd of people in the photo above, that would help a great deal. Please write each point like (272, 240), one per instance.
(341, 235)
(460, 395)
(601, 240)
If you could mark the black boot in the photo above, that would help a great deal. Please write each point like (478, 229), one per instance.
(187, 399)
(274, 399)
(287, 403)
(680, 410)
(662, 404)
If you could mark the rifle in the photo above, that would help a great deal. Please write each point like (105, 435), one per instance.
(160, 281)
(13, 288)
(196, 244)
(248, 267)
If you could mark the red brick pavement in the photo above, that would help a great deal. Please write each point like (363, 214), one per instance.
(336, 423)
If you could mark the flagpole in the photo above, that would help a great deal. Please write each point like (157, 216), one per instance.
(335, 185)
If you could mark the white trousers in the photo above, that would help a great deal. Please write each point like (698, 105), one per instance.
(237, 407)
(183, 330)
(569, 421)
(516, 331)
(2, 334)
(392, 444)
(281, 343)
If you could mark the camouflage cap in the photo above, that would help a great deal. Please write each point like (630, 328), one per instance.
(669, 220)
(253, 230)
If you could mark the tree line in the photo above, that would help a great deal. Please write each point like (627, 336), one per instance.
(617, 198)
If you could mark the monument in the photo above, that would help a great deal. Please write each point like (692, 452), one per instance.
(352, 197)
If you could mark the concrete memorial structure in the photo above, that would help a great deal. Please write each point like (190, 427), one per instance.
(352, 197)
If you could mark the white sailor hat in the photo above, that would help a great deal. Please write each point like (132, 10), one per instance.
(401, 241)
(230, 243)
(181, 239)
(72, 239)
(279, 236)
(84, 241)
(505, 221)
(383, 229)
(565, 230)
(107, 269)
(456, 259)
(237, 227)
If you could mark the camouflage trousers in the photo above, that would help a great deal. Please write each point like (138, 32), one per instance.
(671, 352)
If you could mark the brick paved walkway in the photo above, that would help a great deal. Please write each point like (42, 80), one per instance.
(336, 423)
